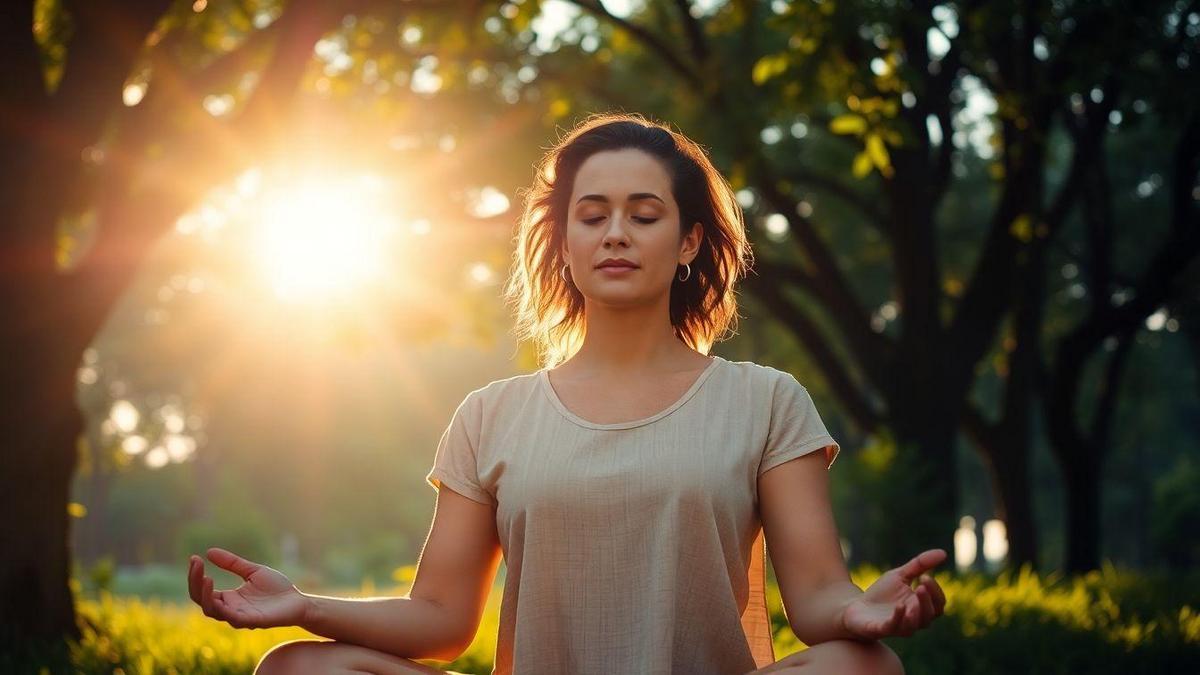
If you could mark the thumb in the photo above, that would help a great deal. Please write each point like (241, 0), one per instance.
(923, 562)
(232, 562)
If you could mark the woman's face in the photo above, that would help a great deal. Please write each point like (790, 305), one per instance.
(622, 207)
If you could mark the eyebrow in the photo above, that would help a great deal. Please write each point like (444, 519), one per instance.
(632, 197)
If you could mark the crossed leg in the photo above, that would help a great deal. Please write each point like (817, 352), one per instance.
(839, 657)
(340, 658)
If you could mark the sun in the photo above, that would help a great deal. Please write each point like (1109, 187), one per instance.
(321, 238)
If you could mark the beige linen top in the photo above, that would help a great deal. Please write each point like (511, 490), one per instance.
(632, 547)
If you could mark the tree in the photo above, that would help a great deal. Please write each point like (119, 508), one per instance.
(92, 184)
(50, 317)
(891, 84)
(879, 197)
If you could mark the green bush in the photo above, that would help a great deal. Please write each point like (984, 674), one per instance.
(1176, 510)
(165, 582)
(1107, 621)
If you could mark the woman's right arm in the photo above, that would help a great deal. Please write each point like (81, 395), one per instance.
(409, 627)
(441, 614)
(438, 618)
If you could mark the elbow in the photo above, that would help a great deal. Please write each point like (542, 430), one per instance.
(448, 654)
(458, 638)
(446, 650)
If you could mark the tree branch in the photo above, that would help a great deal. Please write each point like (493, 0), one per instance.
(874, 215)
(191, 164)
(871, 349)
(648, 39)
(985, 299)
(767, 290)
(694, 30)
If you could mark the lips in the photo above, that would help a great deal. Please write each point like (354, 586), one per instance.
(616, 263)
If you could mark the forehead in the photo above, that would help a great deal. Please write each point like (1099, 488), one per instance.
(617, 173)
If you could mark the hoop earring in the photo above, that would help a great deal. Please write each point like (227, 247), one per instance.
(563, 273)
(687, 276)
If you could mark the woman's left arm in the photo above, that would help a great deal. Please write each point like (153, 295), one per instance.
(821, 601)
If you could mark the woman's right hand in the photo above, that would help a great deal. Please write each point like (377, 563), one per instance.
(267, 598)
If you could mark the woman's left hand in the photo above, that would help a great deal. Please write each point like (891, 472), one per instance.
(891, 607)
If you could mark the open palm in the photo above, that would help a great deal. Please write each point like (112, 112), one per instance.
(890, 606)
(266, 599)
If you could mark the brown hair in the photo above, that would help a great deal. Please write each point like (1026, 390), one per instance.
(550, 311)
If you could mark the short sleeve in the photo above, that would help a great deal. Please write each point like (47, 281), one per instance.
(455, 464)
(796, 427)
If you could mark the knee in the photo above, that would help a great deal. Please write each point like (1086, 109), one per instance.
(875, 658)
(847, 657)
(330, 656)
(298, 656)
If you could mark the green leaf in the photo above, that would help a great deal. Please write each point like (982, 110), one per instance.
(768, 67)
(862, 165)
(1021, 228)
(848, 124)
(877, 151)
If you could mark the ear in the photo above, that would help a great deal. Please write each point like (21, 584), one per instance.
(690, 245)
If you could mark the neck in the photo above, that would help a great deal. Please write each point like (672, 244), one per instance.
(631, 340)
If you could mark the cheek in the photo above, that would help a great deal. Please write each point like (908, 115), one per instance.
(664, 247)
(577, 238)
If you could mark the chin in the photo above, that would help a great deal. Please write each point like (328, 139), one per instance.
(625, 298)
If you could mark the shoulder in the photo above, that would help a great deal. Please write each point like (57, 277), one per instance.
(764, 377)
(496, 391)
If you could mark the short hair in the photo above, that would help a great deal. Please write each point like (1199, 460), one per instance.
(703, 310)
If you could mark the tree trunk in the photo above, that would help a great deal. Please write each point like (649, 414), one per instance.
(49, 316)
(41, 426)
(922, 498)
(93, 530)
(1083, 516)
(1013, 501)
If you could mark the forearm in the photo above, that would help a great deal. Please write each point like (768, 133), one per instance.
(819, 618)
(412, 628)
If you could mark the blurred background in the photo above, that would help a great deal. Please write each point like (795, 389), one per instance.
(254, 255)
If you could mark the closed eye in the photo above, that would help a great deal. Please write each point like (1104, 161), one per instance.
(644, 221)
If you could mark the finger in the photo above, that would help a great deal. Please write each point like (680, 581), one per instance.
(232, 562)
(923, 562)
(927, 613)
(892, 624)
(196, 587)
(912, 615)
(204, 596)
(208, 606)
(936, 595)
(194, 571)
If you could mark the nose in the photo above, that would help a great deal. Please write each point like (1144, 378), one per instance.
(617, 230)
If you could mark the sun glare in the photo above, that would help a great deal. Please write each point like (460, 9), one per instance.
(318, 239)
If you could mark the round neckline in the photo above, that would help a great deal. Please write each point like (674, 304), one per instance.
(544, 378)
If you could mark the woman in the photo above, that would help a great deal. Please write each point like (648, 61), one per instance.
(629, 483)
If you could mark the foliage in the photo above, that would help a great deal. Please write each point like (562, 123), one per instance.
(236, 524)
(102, 573)
(1177, 510)
(1107, 621)
(826, 71)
